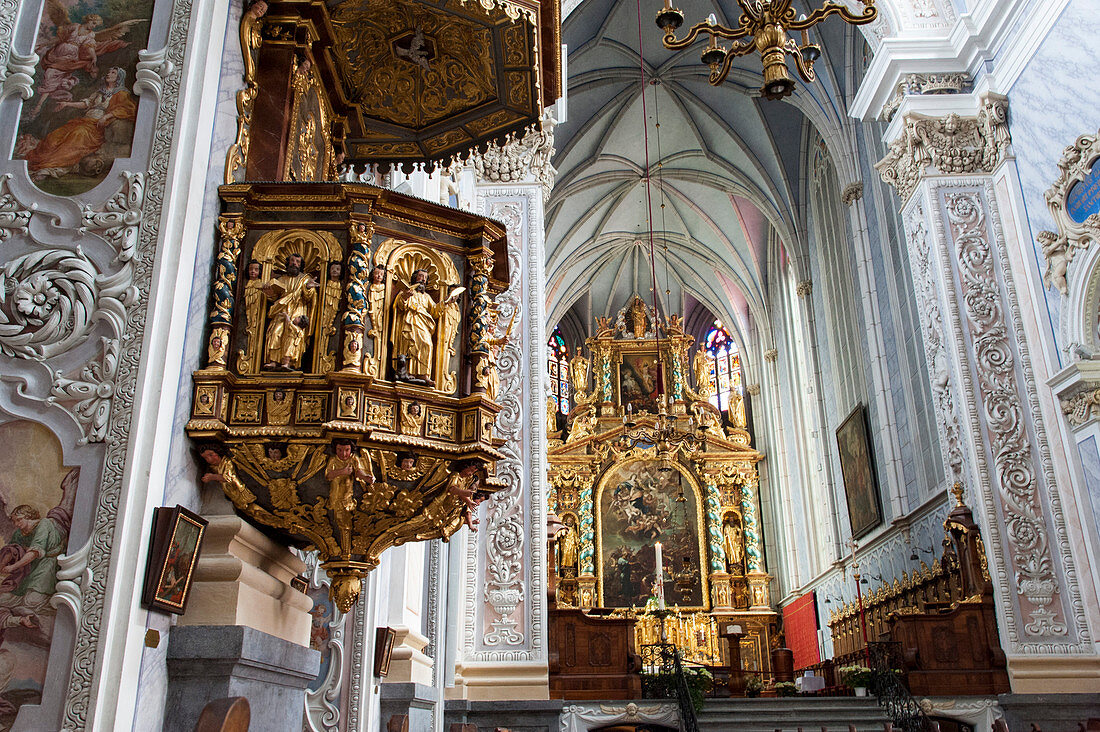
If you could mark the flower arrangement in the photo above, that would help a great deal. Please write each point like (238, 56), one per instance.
(753, 686)
(855, 676)
(786, 688)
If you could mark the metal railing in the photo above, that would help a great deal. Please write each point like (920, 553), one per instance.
(663, 677)
(893, 695)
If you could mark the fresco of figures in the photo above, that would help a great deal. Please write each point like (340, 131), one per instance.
(638, 507)
(37, 492)
(81, 116)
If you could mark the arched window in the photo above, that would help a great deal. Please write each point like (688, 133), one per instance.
(559, 370)
(725, 366)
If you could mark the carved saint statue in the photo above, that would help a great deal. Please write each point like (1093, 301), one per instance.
(376, 305)
(489, 378)
(578, 374)
(253, 301)
(341, 472)
(731, 544)
(702, 374)
(638, 317)
(292, 295)
(568, 545)
(417, 317)
(583, 426)
(737, 408)
(224, 473)
(551, 417)
(330, 303)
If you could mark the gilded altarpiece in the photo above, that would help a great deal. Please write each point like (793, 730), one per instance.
(617, 495)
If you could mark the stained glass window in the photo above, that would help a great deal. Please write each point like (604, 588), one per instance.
(559, 370)
(725, 366)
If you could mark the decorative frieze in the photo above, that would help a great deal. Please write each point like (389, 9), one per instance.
(918, 84)
(950, 145)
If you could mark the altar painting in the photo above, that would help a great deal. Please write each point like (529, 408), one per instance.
(638, 507)
(638, 382)
(36, 513)
(81, 115)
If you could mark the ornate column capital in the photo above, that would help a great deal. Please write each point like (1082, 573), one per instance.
(521, 160)
(804, 289)
(949, 145)
(771, 354)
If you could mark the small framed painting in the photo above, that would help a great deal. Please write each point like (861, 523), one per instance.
(173, 555)
(383, 649)
(857, 465)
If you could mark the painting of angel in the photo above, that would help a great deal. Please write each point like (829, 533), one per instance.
(37, 494)
(81, 116)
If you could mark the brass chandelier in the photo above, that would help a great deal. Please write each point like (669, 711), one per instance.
(763, 27)
(663, 435)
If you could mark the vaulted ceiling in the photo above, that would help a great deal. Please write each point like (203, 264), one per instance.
(723, 164)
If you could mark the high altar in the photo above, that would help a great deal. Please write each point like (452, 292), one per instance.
(639, 464)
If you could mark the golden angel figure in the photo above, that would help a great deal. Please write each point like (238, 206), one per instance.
(223, 472)
(341, 472)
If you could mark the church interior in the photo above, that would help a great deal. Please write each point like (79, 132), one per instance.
(549, 365)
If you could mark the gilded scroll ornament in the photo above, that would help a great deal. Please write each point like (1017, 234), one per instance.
(250, 38)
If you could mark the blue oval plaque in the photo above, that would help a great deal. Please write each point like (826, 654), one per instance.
(1083, 198)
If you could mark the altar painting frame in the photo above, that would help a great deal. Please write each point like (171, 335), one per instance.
(700, 532)
(627, 355)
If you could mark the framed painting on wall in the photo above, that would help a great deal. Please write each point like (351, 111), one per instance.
(176, 543)
(857, 465)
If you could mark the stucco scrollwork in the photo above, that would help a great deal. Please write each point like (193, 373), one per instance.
(950, 145)
(87, 395)
(120, 218)
(152, 67)
(939, 368)
(14, 216)
(504, 529)
(1013, 455)
(52, 299)
(19, 78)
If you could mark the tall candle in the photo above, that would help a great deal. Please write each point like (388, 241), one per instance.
(660, 578)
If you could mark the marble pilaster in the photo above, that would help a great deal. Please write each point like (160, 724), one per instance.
(985, 355)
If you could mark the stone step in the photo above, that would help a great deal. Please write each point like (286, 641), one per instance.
(789, 713)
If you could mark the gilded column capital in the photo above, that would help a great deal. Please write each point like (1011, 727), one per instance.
(948, 145)
(481, 265)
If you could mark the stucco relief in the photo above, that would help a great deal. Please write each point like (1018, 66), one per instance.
(1023, 515)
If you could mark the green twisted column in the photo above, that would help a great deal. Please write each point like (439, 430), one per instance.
(677, 377)
(480, 319)
(225, 281)
(605, 377)
(714, 526)
(354, 320)
(586, 559)
(749, 518)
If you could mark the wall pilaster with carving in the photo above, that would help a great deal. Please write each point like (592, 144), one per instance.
(503, 629)
(986, 370)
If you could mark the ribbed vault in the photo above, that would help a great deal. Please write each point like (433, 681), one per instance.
(724, 166)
